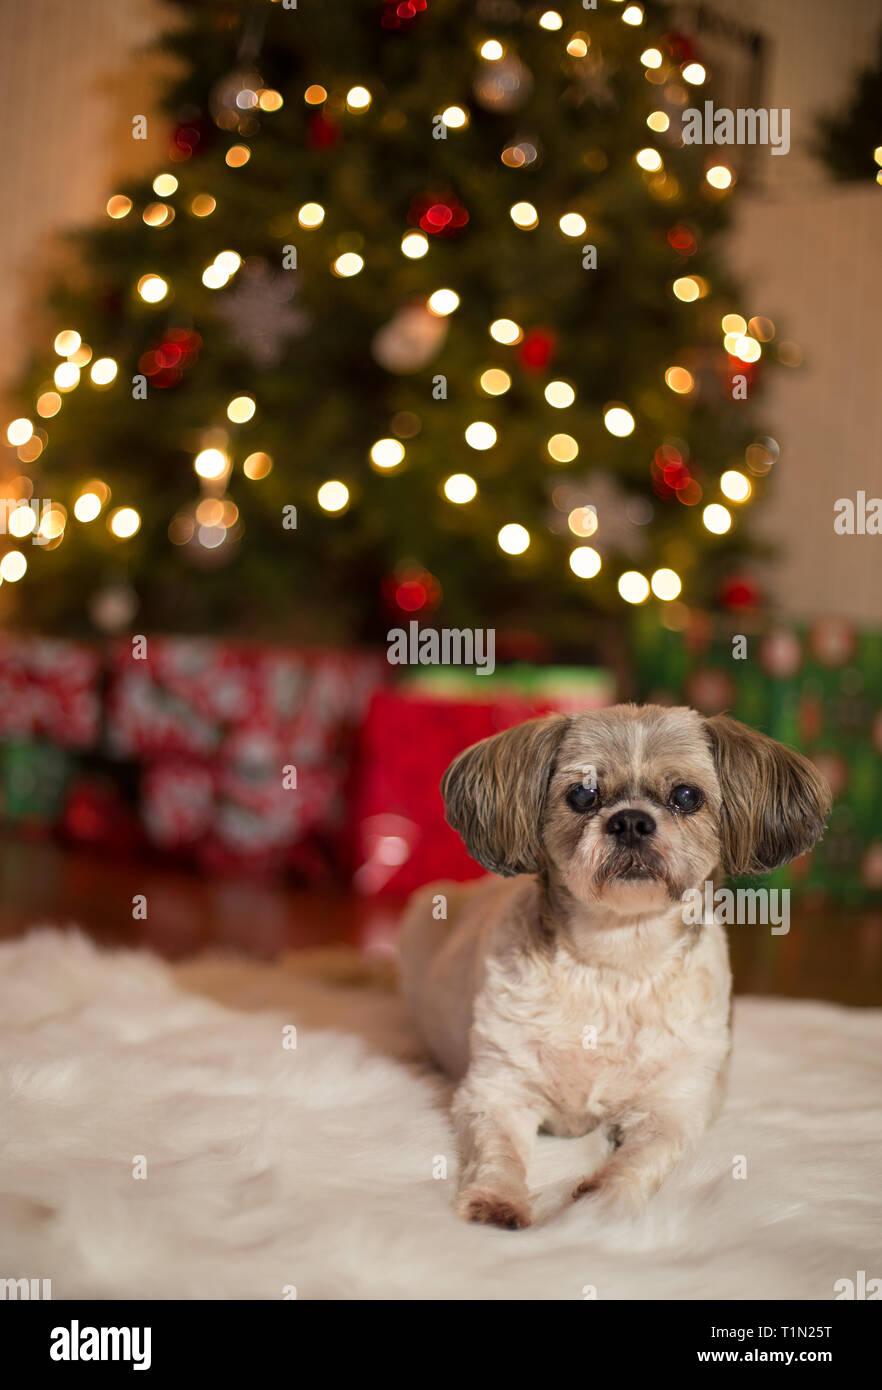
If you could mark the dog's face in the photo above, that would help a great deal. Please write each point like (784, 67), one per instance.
(631, 806)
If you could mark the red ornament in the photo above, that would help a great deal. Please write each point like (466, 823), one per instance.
(322, 133)
(679, 46)
(438, 214)
(400, 14)
(671, 476)
(684, 240)
(189, 138)
(412, 589)
(165, 364)
(537, 350)
(739, 594)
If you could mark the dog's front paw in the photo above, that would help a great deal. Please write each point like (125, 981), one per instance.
(491, 1208)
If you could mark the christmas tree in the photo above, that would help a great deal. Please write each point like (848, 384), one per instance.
(424, 314)
(850, 142)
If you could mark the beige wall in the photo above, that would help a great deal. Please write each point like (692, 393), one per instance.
(809, 251)
(71, 83)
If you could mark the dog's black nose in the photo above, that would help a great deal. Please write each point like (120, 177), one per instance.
(630, 826)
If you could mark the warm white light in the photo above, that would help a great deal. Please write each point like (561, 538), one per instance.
(240, 409)
(748, 349)
(573, 224)
(13, 566)
(87, 506)
(559, 394)
(164, 185)
(348, 264)
(455, 117)
(66, 376)
(48, 404)
(20, 431)
(257, 466)
(152, 288)
(550, 20)
(735, 486)
(211, 463)
(633, 14)
(21, 522)
(495, 381)
(582, 521)
(694, 73)
(52, 523)
(311, 215)
(585, 561)
(118, 206)
(387, 453)
(651, 58)
(124, 522)
(717, 518)
(213, 278)
(735, 324)
(414, 245)
(103, 371)
(633, 587)
(618, 420)
(513, 539)
(491, 50)
(679, 380)
(658, 121)
(442, 302)
(506, 331)
(649, 159)
(333, 496)
(358, 98)
(67, 342)
(480, 435)
(562, 448)
(524, 215)
(719, 176)
(687, 289)
(228, 262)
(666, 584)
(459, 487)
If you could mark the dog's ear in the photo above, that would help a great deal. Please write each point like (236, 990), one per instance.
(494, 793)
(775, 803)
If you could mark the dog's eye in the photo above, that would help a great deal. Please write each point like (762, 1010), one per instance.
(686, 799)
(582, 798)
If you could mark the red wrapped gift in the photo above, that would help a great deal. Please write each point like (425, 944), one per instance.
(402, 838)
(247, 750)
(50, 689)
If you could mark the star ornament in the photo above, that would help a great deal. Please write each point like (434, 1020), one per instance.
(261, 315)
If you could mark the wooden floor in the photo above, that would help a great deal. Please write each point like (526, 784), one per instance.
(835, 955)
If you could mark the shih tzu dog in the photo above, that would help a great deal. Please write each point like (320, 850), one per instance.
(582, 995)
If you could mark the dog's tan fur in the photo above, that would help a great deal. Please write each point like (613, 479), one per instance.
(579, 996)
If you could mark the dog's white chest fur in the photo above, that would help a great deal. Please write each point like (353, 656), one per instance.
(588, 1041)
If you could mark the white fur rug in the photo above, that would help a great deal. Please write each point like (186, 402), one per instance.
(268, 1167)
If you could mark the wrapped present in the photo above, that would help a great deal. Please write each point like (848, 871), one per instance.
(412, 733)
(245, 751)
(50, 690)
(182, 695)
(817, 687)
